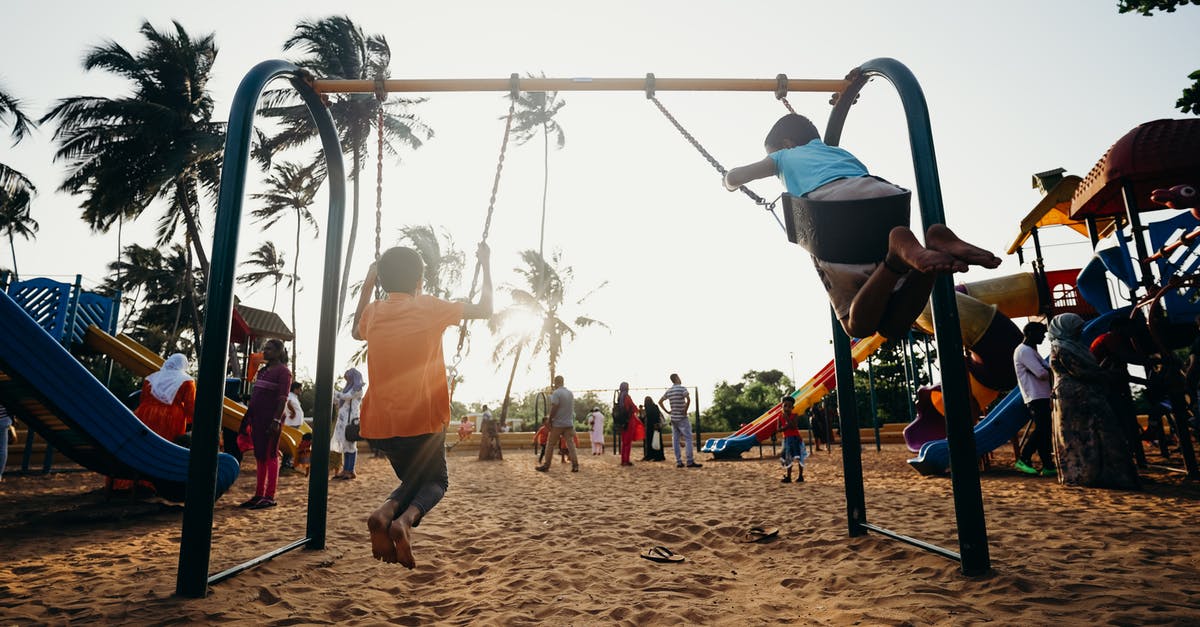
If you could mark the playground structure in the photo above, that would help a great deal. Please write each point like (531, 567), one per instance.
(762, 428)
(1108, 203)
(49, 390)
(196, 544)
(76, 319)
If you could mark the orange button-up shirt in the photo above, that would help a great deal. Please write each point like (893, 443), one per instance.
(407, 394)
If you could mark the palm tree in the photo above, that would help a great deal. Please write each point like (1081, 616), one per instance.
(535, 318)
(15, 219)
(443, 262)
(270, 264)
(157, 143)
(16, 190)
(290, 190)
(153, 286)
(535, 112)
(334, 47)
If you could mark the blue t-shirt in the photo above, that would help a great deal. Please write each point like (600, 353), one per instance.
(805, 168)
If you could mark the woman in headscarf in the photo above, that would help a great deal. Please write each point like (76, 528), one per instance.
(349, 401)
(1088, 440)
(264, 417)
(652, 418)
(165, 406)
(168, 399)
(632, 430)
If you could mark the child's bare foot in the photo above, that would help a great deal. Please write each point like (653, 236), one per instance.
(902, 244)
(382, 547)
(940, 237)
(400, 543)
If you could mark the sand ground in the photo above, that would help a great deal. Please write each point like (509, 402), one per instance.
(509, 546)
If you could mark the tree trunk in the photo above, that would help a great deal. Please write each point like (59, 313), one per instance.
(12, 247)
(508, 390)
(545, 191)
(489, 445)
(197, 328)
(353, 236)
(295, 277)
(193, 231)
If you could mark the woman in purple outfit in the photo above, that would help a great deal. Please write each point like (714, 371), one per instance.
(264, 417)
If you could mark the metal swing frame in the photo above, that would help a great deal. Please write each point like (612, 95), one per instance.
(196, 542)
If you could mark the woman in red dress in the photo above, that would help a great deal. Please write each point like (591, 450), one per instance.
(168, 399)
(633, 428)
(166, 405)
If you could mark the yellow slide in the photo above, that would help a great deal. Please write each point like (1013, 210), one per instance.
(141, 361)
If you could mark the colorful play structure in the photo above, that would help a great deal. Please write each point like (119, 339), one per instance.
(1107, 206)
(1156, 155)
(45, 320)
(51, 392)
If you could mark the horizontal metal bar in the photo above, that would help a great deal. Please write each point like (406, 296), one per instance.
(265, 557)
(932, 548)
(330, 86)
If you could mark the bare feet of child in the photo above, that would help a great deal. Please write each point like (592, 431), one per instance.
(382, 546)
(904, 247)
(399, 533)
(940, 237)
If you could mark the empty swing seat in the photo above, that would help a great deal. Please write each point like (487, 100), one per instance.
(845, 231)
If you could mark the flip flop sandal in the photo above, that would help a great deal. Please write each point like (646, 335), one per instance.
(760, 534)
(661, 554)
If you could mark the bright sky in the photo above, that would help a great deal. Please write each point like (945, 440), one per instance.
(700, 281)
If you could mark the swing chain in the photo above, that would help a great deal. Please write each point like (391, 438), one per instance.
(380, 98)
(758, 200)
(703, 152)
(781, 90)
(452, 371)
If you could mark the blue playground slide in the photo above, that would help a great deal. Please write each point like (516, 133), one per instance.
(1005, 420)
(49, 390)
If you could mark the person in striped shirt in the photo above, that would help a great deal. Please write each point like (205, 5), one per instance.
(681, 429)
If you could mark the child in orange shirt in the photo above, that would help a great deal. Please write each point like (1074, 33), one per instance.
(303, 454)
(562, 446)
(407, 408)
(539, 441)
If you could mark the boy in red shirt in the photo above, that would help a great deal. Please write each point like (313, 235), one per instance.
(793, 445)
(405, 411)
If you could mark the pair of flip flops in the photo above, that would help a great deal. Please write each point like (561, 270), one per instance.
(760, 534)
(661, 554)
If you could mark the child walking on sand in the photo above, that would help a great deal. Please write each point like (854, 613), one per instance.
(794, 452)
(407, 408)
(885, 296)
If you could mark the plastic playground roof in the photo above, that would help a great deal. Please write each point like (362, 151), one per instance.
(1154, 155)
(1055, 209)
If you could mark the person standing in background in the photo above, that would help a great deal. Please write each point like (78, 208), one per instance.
(681, 429)
(349, 402)
(561, 423)
(596, 428)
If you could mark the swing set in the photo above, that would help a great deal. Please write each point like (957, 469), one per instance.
(193, 578)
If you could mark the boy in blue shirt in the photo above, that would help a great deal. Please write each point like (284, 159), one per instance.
(884, 297)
